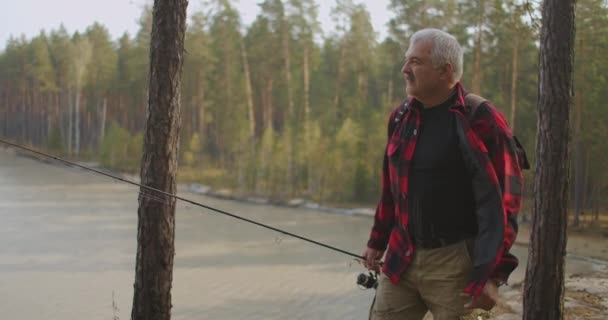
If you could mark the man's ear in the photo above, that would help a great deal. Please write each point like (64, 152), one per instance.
(446, 71)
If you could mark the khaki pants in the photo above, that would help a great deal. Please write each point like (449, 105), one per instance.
(433, 282)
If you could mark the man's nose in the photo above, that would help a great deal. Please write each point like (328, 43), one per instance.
(406, 68)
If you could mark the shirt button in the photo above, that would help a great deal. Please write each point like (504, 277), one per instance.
(407, 253)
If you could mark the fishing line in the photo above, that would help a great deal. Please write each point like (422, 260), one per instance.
(163, 193)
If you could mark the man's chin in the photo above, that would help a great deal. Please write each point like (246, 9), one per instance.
(411, 92)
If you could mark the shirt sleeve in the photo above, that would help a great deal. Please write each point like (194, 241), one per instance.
(384, 217)
(502, 152)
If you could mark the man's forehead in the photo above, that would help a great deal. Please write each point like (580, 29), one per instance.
(419, 49)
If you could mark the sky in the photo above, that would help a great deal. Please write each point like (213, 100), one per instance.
(28, 17)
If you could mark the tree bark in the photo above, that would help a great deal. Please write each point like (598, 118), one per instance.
(579, 183)
(102, 129)
(307, 129)
(200, 105)
(477, 72)
(389, 98)
(156, 219)
(579, 167)
(77, 122)
(291, 176)
(248, 91)
(70, 122)
(268, 104)
(514, 74)
(338, 86)
(544, 286)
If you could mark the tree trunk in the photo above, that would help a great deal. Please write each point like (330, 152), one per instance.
(102, 129)
(338, 87)
(389, 98)
(579, 184)
(156, 219)
(477, 72)
(70, 122)
(77, 122)
(544, 285)
(248, 91)
(291, 176)
(514, 74)
(307, 129)
(251, 140)
(597, 196)
(201, 116)
(268, 104)
(578, 146)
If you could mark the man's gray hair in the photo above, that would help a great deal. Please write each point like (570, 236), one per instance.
(445, 49)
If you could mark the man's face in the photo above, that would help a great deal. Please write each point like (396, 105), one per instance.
(422, 78)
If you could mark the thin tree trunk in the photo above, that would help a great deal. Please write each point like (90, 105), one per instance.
(307, 129)
(597, 196)
(291, 176)
(156, 219)
(544, 284)
(70, 121)
(287, 66)
(477, 72)
(102, 130)
(77, 122)
(338, 86)
(578, 147)
(514, 74)
(588, 190)
(389, 98)
(268, 105)
(248, 91)
(578, 163)
(306, 83)
(201, 115)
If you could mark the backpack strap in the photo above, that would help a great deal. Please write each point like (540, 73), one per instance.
(473, 101)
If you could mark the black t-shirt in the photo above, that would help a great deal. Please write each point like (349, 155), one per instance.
(440, 186)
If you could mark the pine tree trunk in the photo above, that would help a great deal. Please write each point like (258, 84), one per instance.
(514, 74)
(202, 125)
(477, 72)
(578, 146)
(70, 122)
(579, 184)
(389, 98)
(248, 91)
(156, 219)
(544, 286)
(291, 176)
(338, 87)
(307, 129)
(268, 105)
(77, 122)
(102, 129)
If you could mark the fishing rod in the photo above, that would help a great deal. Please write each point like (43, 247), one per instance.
(183, 199)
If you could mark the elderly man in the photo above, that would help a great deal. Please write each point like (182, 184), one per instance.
(451, 191)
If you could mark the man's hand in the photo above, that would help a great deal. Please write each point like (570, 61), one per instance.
(372, 257)
(486, 300)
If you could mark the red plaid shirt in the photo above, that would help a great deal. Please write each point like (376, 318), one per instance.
(490, 154)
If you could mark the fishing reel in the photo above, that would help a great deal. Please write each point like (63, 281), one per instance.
(368, 281)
